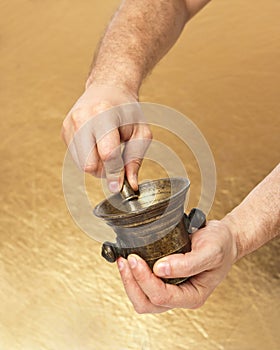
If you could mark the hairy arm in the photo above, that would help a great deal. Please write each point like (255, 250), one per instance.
(215, 248)
(138, 36)
(256, 220)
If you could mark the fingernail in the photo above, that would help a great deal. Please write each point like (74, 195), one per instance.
(163, 269)
(120, 265)
(132, 261)
(114, 186)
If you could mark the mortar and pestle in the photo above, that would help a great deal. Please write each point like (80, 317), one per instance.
(150, 222)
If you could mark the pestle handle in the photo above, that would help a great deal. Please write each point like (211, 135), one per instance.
(127, 192)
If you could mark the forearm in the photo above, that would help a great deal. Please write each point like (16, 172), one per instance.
(138, 36)
(257, 219)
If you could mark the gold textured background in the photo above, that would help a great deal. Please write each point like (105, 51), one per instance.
(56, 292)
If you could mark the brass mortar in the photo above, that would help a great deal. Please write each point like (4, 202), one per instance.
(150, 223)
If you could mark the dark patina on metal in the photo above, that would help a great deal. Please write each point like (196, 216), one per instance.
(150, 223)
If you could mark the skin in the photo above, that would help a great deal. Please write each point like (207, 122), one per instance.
(215, 249)
(138, 36)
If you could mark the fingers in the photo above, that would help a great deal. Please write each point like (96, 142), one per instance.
(208, 256)
(78, 135)
(110, 154)
(94, 144)
(136, 295)
(136, 133)
(149, 294)
(208, 263)
(84, 144)
(183, 265)
(94, 131)
(134, 152)
(161, 294)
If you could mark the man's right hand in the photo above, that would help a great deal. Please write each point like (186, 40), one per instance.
(102, 119)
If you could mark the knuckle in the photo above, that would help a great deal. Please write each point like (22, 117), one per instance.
(77, 118)
(91, 168)
(136, 161)
(196, 305)
(102, 106)
(63, 131)
(140, 278)
(187, 266)
(126, 283)
(140, 309)
(64, 126)
(159, 300)
(105, 153)
(147, 133)
(219, 255)
(111, 157)
(142, 132)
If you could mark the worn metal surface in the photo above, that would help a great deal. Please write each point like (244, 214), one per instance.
(152, 225)
(56, 291)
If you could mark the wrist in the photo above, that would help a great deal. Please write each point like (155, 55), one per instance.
(108, 88)
(232, 225)
(132, 94)
(126, 79)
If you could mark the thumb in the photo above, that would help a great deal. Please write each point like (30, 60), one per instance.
(184, 265)
(134, 152)
(109, 150)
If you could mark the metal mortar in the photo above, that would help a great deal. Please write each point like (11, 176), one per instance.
(150, 223)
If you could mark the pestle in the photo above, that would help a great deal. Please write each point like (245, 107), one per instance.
(129, 196)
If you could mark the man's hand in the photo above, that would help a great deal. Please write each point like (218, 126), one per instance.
(138, 36)
(213, 253)
(102, 119)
